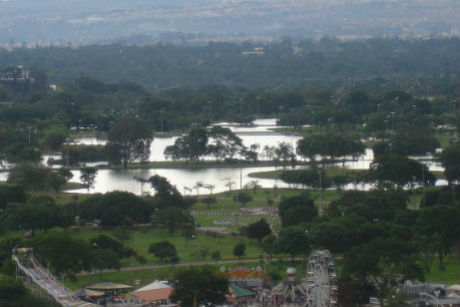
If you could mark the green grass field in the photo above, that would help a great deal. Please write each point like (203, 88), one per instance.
(444, 137)
(451, 273)
(188, 250)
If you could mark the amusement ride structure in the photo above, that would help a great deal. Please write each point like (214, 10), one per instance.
(42, 284)
(290, 291)
(317, 290)
(321, 280)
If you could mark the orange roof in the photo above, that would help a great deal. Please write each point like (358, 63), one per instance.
(153, 295)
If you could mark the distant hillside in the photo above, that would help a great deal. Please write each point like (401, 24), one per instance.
(419, 65)
(195, 21)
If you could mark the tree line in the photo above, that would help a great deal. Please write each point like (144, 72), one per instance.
(328, 62)
(42, 120)
(167, 209)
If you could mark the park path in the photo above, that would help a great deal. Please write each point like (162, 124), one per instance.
(183, 264)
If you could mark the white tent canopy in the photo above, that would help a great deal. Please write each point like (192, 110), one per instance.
(154, 286)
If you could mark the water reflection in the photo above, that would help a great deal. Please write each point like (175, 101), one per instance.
(124, 180)
(88, 141)
(260, 133)
(185, 179)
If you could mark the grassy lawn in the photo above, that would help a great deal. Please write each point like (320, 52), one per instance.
(225, 200)
(414, 201)
(208, 221)
(328, 195)
(187, 250)
(267, 175)
(443, 137)
(450, 275)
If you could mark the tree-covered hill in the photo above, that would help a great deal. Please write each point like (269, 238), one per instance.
(422, 65)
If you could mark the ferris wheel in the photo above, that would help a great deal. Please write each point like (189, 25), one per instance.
(320, 283)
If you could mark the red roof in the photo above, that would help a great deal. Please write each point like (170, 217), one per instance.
(153, 295)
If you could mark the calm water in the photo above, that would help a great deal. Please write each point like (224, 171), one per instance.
(260, 133)
(124, 180)
(186, 179)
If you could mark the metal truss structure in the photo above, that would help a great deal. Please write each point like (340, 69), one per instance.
(41, 282)
(320, 283)
(290, 291)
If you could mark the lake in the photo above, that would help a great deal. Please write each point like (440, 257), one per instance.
(261, 133)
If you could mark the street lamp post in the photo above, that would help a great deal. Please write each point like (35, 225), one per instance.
(29, 129)
(437, 292)
(258, 105)
(423, 182)
(320, 193)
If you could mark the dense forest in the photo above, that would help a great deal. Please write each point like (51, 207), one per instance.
(423, 66)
